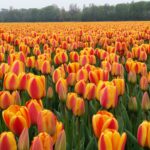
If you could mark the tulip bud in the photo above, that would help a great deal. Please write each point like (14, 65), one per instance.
(132, 105)
(23, 142)
(144, 83)
(50, 92)
(61, 141)
(17, 99)
(132, 77)
(145, 101)
(62, 88)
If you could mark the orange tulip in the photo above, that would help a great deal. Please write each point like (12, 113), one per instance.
(144, 83)
(71, 79)
(46, 122)
(109, 96)
(7, 141)
(120, 84)
(6, 99)
(16, 118)
(36, 87)
(80, 87)
(143, 134)
(30, 62)
(112, 140)
(17, 67)
(10, 81)
(74, 56)
(50, 92)
(42, 141)
(34, 107)
(117, 69)
(62, 88)
(45, 67)
(82, 74)
(73, 67)
(71, 98)
(57, 74)
(103, 120)
(90, 91)
(22, 81)
(78, 108)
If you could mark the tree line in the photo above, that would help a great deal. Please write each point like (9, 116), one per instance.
(119, 12)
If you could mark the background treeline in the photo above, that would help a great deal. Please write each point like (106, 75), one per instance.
(120, 12)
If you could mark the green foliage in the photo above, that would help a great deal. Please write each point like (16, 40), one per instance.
(128, 11)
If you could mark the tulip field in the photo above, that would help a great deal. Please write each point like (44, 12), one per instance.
(75, 86)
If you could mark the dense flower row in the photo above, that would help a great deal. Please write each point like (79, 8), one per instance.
(74, 86)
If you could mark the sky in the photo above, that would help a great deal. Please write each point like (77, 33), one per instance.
(60, 3)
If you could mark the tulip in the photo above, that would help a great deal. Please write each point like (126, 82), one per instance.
(23, 142)
(132, 105)
(109, 97)
(73, 67)
(59, 129)
(57, 74)
(83, 60)
(120, 84)
(16, 118)
(82, 74)
(145, 101)
(74, 56)
(17, 67)
(22, 81)
(71, 79)
(34, 107)
(112, 140)
(36, 87)
(144, 83)
(78, 108)
(80, 87)
(143, 134)
(7, 141)
(50, 92)
(90, 91)
(30, 62)
(132, 77)
(62, 89)
(6, 99)
(71, 98)
(42, 141)
(10, 81)
(106, 65)
(17, 99)
(103, 120)
(61, 141)
(46, 122)
(45, 67)
(117, 69)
